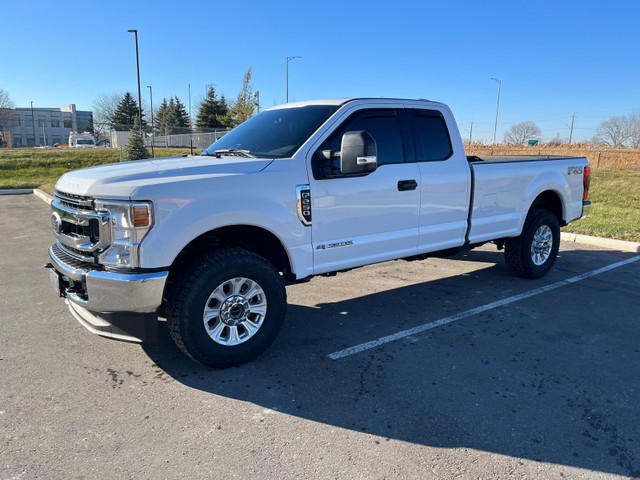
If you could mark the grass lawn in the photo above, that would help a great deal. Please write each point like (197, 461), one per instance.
(41, 168)
(614, 194)
(615, 206)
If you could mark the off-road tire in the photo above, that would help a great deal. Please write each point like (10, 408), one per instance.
(519, 252)
(190, 292)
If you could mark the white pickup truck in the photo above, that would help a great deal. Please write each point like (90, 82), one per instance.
(303, 189)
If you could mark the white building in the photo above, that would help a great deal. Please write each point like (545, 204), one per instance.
(33, 127)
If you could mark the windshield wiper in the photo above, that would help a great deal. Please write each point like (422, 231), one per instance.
(233, 151)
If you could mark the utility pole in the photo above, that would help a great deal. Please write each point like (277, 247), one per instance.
(495, 128)
(470, 132)
(573, 118)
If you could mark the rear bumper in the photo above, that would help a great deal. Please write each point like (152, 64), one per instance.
(107, 303)
(586, 207)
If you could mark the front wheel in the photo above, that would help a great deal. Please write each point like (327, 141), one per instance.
(226, 308)
(534, 251)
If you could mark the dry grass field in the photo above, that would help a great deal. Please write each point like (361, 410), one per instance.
(599, 157)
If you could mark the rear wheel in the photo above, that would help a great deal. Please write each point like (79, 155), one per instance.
(226, 308)
(533, 253)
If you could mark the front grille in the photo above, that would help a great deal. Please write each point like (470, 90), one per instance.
(64, 256)
(77, 202)
(94, 230)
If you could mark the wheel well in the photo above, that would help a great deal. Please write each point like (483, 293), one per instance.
(550, 201)
(254, 239)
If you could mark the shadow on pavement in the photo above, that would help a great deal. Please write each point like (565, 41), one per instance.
(537, 380)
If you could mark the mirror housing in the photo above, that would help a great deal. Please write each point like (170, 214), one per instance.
(358, 153)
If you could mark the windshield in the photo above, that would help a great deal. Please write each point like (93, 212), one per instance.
(84, 142)
(275, 133)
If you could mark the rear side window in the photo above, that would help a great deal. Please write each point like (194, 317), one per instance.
(431, 135)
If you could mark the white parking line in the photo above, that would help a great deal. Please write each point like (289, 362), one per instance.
(489, 306)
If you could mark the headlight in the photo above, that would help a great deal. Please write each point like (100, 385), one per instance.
(130, 222)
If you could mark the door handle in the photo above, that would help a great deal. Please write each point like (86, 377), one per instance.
(407, 185)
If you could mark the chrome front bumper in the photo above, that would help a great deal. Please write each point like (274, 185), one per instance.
(101, 300)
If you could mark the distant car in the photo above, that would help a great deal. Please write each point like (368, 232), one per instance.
(104, 143)
(81, 141)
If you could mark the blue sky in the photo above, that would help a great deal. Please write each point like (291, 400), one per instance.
(554, 58)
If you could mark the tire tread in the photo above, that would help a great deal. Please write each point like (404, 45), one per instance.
(177, 304)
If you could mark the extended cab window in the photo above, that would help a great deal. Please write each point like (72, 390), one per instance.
(381, 124)
(430, 135)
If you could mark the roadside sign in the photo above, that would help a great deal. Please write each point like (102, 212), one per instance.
(533, 143)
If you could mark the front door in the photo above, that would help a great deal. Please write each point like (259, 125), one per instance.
(367, 218)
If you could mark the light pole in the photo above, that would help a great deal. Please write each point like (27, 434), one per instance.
(288, 60)
(135, 32)
(33, 121)
(153, 155)
(190, 119)
(495, 128)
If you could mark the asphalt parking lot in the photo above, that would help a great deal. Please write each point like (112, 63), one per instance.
(491, 376)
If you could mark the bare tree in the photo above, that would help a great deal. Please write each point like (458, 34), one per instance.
(555, 141)
(635, 130)
(103, 109)
(6, 105)
(615, 132)
(520, 133)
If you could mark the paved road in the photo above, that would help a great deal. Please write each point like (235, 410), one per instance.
(543, 387)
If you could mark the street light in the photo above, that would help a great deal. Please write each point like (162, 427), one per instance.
(135, 32)
(288, 60)
(153, 155)
(33, 121)
(495, 128)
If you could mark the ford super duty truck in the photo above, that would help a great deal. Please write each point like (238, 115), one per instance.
(311, 188)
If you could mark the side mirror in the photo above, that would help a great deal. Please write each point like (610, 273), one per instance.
(358, 153)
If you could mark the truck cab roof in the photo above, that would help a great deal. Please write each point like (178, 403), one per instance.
(344, 101)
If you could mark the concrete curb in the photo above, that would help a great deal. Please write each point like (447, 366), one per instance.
(43, 195)
(610, 243)
(16, 191)
(601, 242)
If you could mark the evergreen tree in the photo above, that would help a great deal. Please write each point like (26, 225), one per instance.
(126, 113)
(181, 117)
(244, 107)
(172, 117)
(161, 118)
(213, 112)
(135, 149)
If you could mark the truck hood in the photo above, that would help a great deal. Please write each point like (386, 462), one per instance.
(121, 180)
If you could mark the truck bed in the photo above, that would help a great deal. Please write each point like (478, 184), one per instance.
(504, 186)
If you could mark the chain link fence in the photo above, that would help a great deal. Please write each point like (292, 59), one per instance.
(197, 140)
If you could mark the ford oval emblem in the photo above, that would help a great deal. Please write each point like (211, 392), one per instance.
(56, 222)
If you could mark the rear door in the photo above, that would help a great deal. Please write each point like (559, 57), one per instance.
(365, 218)
(445, 181)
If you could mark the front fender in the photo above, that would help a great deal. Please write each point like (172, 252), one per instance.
(200, 206)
